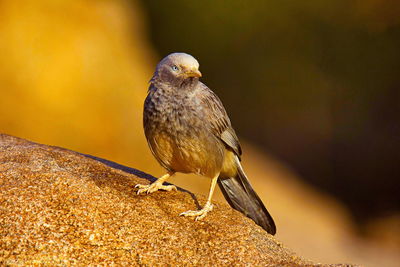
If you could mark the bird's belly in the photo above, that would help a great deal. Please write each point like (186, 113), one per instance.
(188, 152)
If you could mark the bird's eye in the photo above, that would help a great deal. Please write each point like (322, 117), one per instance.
(175, 68)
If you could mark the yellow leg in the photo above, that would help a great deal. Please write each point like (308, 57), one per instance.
(157, 185)
(200, 214)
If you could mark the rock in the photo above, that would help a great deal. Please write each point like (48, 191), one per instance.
(59, 207)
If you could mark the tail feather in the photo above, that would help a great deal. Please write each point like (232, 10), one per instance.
(242, 197)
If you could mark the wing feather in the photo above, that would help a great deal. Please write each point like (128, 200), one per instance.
(219, 121)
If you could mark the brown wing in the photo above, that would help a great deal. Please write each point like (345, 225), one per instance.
(219, 120)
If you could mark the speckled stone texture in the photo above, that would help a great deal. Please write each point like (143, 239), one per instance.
(59, 207)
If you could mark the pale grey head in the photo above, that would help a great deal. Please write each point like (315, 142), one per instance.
(177, 69)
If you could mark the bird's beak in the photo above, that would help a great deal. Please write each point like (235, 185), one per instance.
(193, 73)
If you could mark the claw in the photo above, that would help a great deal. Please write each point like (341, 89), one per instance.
(199, 214)
(154, 187)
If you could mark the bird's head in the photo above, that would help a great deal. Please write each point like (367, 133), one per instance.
(177, 69)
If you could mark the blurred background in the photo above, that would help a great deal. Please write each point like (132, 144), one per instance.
(312, 89)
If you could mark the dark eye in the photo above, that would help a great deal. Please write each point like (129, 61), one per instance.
(175, 68)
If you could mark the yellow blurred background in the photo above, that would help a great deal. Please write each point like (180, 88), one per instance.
(75, 73)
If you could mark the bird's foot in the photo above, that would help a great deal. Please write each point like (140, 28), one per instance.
(157, 185)
(199, 214)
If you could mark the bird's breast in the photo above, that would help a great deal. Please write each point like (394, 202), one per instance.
(174, 114)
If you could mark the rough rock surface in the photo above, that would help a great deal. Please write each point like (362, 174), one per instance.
(59, 207)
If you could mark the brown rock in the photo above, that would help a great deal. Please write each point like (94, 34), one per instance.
(59, 207)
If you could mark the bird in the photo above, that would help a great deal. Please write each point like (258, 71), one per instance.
(188, 131)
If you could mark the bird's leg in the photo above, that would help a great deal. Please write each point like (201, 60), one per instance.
(200, 214)
(157, 185)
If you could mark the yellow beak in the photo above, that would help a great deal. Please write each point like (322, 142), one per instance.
(193, 73)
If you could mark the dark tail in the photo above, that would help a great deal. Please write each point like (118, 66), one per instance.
(241, 196)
